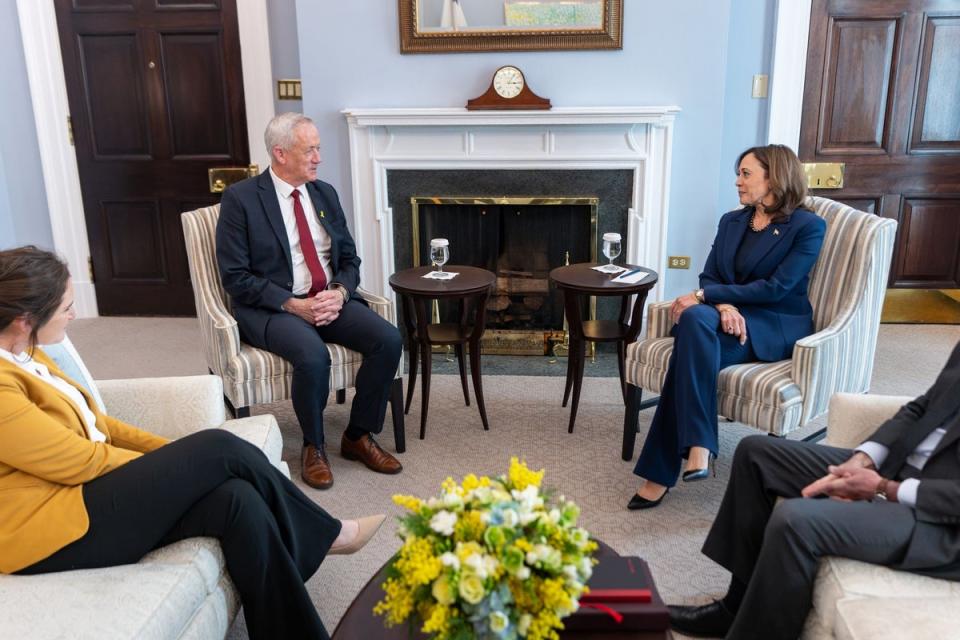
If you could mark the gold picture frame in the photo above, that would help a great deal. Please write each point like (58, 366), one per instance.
(609, 34)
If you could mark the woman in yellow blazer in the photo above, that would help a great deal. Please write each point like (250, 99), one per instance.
(79, 489)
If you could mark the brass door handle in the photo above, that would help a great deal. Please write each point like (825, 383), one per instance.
(222, 177)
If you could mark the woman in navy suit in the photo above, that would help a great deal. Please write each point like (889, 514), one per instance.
(751, 305)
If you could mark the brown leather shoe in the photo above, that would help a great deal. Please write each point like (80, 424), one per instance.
(367, 451)
(315, 468)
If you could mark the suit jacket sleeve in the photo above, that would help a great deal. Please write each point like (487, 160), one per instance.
(239, 278)
(711, 272)
(347, 272)
(794, 267)
(130, 437)
(34, 442)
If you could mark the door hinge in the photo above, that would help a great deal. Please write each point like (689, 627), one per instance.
(90, 268)
(70, 130)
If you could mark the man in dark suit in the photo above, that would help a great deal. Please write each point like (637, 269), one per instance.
(290, 266)
(895, 501)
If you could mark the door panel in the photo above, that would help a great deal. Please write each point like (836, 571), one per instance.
(882, 96)
(156, 99)
(937, 120)
(855, 113)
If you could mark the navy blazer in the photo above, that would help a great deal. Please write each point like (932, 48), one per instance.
(253, 252)
(773, 298)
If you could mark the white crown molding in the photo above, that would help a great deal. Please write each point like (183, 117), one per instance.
(788, 72)
(638, 139)
(48, 93)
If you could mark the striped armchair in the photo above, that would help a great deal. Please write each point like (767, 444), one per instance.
(250, 375)
(847, 286)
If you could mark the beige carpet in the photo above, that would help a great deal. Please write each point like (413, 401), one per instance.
(525, 420)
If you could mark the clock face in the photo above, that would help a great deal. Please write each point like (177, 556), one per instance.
(508, 82)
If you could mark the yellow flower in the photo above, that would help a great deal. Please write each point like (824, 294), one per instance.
(543, 626)
(416, 562)
(523, 544)
(471, 588)
(469, 527)
(411, 503)
(470, 482)
(554, 596)
(442, 591)
(397, 604)
(438, 621)
(466, 549)
(521, 476)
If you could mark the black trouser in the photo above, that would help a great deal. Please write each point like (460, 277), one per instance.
(212, 483)
(358, 328)
(775, 551)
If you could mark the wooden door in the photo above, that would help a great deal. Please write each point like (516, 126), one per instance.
(156, 98)
(882, 94)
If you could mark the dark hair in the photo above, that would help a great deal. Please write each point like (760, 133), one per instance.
(32, 283)
(788, 183)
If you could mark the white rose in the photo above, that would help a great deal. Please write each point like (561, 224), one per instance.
(443, 522)
(449, 559)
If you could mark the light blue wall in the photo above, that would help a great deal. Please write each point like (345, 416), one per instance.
(673, 53)
(23, 202)
(284, 50)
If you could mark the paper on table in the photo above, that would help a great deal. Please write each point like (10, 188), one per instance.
(440, 275)
(607, 268)
(631, 277)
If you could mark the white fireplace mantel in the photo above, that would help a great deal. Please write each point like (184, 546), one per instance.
(574, 138)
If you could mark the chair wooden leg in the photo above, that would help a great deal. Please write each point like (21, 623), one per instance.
(568, 383)
(477, 381)
(463, 373)
(396, 413)
(577, 351)
(412, 381)
(236, 412)
(621, 364)
(341, 396)
(631, 418)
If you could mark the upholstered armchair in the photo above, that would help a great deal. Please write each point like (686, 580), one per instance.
(250, 375)
(847, 286)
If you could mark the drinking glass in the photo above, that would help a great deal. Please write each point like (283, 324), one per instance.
(611, 249)
(439, 252)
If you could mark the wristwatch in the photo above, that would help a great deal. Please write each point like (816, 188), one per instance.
(698, 294)
(881, 491)
(343, 291)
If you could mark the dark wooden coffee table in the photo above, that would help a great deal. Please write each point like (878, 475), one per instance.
(360, 622)
(581, 279)
(471, 287)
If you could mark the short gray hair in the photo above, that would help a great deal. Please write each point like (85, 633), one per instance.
(279, 132)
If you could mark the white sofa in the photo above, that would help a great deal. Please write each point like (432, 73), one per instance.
(179, 591)
(859, 601)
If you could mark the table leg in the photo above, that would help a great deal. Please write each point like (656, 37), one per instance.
(396, 412)
(569, 381)
(412, 348)
(463, 372)
(576, 350)
(426, 355)
(621, 363)
(477, 381)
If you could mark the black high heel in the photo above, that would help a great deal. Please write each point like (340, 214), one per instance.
(699, 474)
(639, 502)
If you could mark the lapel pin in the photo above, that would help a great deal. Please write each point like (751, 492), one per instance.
(776, 232)
(321, 213)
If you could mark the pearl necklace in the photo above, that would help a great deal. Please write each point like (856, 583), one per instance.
(753, 226)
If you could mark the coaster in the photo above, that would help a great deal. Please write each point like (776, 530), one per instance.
(440, 275)
(608, 268)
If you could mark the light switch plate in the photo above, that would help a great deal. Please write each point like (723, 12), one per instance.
(678, 262)
(759, 86)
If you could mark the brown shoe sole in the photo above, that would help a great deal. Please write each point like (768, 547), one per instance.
(322, 486)
(350, 456)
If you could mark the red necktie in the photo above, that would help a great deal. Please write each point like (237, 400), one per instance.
(307, 247)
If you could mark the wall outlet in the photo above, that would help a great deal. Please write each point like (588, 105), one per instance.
(759, 88)
(678, 262)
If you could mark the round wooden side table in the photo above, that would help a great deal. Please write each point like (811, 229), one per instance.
(471, 287)
(582, 279)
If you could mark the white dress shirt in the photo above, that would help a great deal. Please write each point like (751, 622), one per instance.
(33, 367)
(907, 492)
(302, 280)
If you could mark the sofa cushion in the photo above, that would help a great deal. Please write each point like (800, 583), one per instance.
(158, 596)
(897, 618)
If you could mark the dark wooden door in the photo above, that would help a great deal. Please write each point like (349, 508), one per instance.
(882, 94)
(156, 98)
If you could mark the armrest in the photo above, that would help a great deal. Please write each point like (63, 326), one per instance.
(170, 407)
(382, 306)
(853, 417)
(659, 323)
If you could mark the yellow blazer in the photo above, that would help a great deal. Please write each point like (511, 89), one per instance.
(45, 458)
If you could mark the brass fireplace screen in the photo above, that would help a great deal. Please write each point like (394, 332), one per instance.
(520, 239)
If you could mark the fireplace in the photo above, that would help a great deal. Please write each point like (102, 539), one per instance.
(520, 239)
(619, 155)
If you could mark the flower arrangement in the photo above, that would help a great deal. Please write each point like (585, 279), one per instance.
(489, 558)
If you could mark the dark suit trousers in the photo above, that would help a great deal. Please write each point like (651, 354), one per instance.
(686, 415)
(775, 551)
(212, 483)
(358, 328)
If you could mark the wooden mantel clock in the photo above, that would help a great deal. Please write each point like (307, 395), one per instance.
(508, 90)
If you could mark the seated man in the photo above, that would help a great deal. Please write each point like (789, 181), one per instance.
(290, 266)
(895, 501)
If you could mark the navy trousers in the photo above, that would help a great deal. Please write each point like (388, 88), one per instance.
(358, 328)
(686, 415)
(212, 483)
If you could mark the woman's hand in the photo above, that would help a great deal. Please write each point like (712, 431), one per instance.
(680, 305)
(732, 322)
